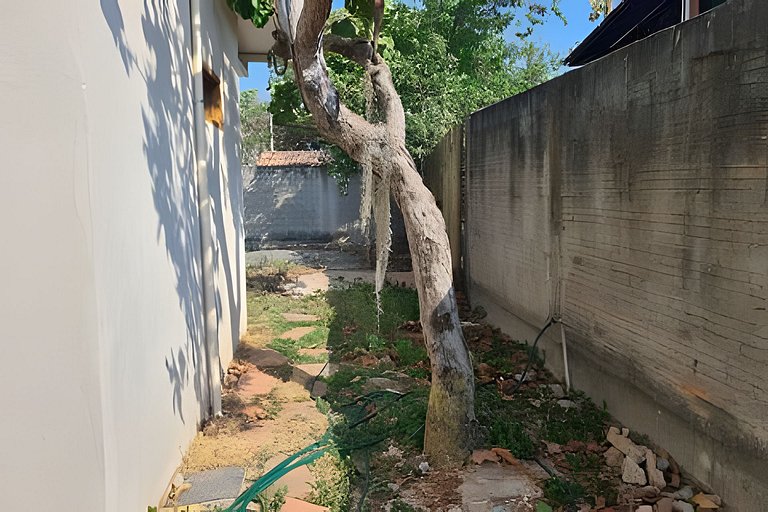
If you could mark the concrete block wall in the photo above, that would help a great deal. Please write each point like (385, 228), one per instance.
(290, 205)
(630, 197)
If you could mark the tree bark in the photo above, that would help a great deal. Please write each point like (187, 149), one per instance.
(450, 425)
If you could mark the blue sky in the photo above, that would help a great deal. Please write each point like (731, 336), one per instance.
(560, 38)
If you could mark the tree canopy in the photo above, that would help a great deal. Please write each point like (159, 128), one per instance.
(448, 59)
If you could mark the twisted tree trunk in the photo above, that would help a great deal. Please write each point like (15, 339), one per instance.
(450, 416)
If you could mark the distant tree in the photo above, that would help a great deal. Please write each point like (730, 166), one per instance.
(254, 126)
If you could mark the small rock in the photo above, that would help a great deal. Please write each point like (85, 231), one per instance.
(674, 480)
(706, 501)
(625, 445)
(664, 505)
(230, 380)
(557, 390)
(655, 476)
(567, 404)
(424, 467)
(662, 464)
(393, 487)
(625, 432)
(631, 473)
(613, 457)
(645, 508)
(234, 371)
(648, 492)
(379, 383)
(685, 493)
(682, 506)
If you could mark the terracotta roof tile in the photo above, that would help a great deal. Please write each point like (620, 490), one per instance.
(292, 159)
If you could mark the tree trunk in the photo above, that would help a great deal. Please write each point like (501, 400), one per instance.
(450, 426)
(450, 415)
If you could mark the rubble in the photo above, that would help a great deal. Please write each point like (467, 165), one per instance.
(631, 473)
(625, 445)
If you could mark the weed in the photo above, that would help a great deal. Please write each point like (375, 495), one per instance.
(354, 323)
(563, 425)
(401, 506)
(331, 486)
(512, 436)
(409, 354)
(562, 493)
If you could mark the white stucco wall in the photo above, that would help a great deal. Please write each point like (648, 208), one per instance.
(102, 363)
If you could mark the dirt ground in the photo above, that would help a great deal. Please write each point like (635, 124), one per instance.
(316, 358)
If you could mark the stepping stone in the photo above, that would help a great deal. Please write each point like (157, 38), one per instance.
(491, 485)
(300, 317)
(265, 358)
(213, 485)
(310, 283)
(294, 505)
(297, 480)
(296, 333)
(313, 352)
(255, 382)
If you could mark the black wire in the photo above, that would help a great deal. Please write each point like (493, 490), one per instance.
(551, 322)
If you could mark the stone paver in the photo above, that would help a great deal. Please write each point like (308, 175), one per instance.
(310, 283)
(298, 480)
(264, 357)
(295, 505)
(296, 333)
(496, 487)
(255, 382)
(212, 485)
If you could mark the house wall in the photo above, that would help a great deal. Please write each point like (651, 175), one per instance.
(630, 197)
(103, 349)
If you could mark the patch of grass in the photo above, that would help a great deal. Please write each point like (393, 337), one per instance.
(271, 404)
(292, 348)
(354, 322)
(512, 436)
(409, 354)
(265, 311)
(562, 493)
(401, 506)
(585, 424)
(331, 486)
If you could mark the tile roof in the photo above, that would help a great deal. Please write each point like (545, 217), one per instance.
(292, 159)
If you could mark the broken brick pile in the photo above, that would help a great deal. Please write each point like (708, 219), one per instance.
(656, 477)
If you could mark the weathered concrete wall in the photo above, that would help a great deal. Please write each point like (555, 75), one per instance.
(102, 366)
(631, 198)
(289, 205)
(442, 174)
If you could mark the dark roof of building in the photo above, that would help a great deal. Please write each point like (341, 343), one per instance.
(292, 159)
(631, 21)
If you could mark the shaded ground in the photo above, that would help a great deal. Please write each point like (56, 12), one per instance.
(316, 360)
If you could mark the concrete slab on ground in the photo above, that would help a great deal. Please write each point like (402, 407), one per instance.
(296, 505)
(212, 485)
(498, 488)
(296, 333)
(297, 481)
(263, 358)
(255, 382)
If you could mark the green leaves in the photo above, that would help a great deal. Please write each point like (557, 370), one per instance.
(345, 23)
(256, 11)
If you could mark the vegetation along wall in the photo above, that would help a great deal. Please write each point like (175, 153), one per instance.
(630, 198)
